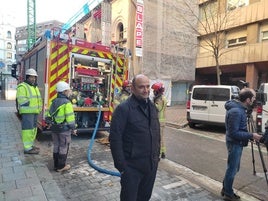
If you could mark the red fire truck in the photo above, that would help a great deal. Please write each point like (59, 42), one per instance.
(95, 72)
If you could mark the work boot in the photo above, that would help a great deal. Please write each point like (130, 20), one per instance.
(65, 168)
(31, 151)
(37, 148)
(56, 161)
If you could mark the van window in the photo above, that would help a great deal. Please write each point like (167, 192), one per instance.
(212, 94)
(218, 94)
(200, 94)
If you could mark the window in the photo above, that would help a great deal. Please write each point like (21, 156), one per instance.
(264, 35)
(9, 46)
(121, 31)
(9, 55)
(22, 49)
(208, 10)
(213, 94)
(233, 4)
(22, 42)
(237, 42)
(220, 94)
(8, 34)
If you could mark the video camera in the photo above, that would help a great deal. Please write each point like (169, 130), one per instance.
(264, 138)
(261, 98)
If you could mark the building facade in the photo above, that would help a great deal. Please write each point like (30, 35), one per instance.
(242, 31)
(158, 43)
(7, 45)
(21, 35)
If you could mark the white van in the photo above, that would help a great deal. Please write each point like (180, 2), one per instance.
(206, 104)
(262, 109)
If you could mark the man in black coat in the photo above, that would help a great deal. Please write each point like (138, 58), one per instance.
(135, 142)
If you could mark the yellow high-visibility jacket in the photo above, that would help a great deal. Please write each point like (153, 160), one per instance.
(161, 105)
(29, 99)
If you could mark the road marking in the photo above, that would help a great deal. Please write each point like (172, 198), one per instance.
(255, 148)
(203, 135)
(175, 184)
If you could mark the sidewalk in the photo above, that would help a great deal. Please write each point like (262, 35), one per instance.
(22, 179)
(176, 116)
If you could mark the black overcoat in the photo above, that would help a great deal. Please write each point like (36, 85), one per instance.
(135, 136)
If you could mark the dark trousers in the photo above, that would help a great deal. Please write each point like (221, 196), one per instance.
(61, 143)
(137, 186)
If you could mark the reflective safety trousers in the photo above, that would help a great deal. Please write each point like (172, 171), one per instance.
(29, 130)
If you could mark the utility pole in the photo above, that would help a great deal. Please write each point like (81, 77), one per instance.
(31, 23)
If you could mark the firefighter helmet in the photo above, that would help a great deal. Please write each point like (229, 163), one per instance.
(158, 87)
(126, 83)
(62, 86)
(31, 72)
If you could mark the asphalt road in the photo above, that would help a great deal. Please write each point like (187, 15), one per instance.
(203, 150)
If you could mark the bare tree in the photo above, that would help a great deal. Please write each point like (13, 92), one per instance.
(213, 20)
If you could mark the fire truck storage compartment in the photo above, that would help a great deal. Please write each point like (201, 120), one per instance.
(90, 82)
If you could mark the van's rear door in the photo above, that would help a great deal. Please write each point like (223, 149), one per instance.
(199, 104)
(218, 98)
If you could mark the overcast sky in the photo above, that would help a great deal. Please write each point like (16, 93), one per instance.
(61, 10)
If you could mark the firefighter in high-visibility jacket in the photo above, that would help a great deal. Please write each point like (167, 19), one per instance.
(160, 102)
(29, 103)
(124, 94)
(63, 125)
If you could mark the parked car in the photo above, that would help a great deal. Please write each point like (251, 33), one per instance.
(206, 104)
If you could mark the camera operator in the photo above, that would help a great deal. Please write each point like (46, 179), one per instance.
(237, 137)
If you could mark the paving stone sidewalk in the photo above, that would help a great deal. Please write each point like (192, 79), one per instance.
(32, 178)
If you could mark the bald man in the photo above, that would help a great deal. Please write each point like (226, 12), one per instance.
(135, 142)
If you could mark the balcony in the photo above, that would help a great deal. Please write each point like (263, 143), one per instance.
(251, 53)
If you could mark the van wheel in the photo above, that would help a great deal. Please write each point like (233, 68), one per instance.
(191, 125)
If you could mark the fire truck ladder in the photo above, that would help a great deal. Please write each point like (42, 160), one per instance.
(89, 6)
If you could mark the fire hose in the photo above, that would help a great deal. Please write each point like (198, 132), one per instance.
(102, 170)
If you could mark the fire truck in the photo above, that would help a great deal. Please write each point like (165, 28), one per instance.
(95, 73)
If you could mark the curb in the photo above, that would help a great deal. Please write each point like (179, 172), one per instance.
(175, 125)
(208, 183)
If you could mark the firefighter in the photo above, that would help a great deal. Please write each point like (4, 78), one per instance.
(29, 104)
(63, 125)
(125, 92)
(160, 102)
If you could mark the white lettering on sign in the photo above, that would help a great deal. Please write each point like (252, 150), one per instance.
(139, 28)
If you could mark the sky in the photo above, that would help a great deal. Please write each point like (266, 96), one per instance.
(61, 10)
